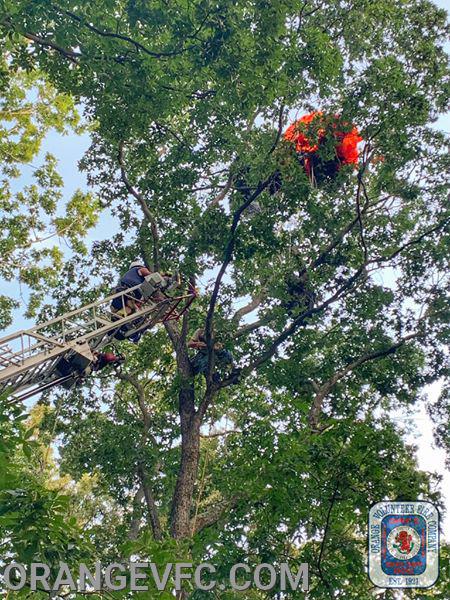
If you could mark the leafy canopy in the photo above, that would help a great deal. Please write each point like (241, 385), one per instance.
(333, 299)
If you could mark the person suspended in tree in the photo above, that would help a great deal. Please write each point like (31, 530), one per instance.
(223, 358)
(300, 296)
(321, 144)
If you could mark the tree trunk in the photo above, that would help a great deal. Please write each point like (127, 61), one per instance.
(190, 454)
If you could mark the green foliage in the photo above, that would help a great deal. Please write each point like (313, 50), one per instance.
(33, 220)
(196, 96)
(35, 520)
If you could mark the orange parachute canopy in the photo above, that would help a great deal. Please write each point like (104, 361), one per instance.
(307, 139)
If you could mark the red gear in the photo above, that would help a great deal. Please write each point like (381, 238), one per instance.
(346, 142)
(109, 357)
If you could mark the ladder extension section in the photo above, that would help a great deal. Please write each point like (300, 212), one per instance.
(28, 357)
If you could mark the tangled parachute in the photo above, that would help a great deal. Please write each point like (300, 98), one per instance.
(312, 132)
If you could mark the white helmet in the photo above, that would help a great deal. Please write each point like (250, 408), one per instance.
(137, 263)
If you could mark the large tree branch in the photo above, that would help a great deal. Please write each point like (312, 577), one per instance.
(359, 213)
(220, 434)
(322, 255)
(255, 325)
(250, 307)
(141, 397)
(141, 469)
(301, 319)
(280, 128)
(150, 502)
(222, 194)
(323, 390)
(211, 390)
(440, 225)
(190, 435)
(226, 261)
(137, 514)
(212, 387)
(324, 539)
(211, 516)
(298, 322)
(145, 208)
(178, 340)
(124, 38)
(180, 522)
(44, 42)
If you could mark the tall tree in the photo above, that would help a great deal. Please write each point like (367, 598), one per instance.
(283, 456)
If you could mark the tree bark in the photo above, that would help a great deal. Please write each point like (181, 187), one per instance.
(190, 454)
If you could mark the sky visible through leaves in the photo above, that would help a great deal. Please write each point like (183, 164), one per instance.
(70, 149)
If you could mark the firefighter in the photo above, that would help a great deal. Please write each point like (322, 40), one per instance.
(128, 304)
(79, 366)
(135, 275)
(105, 359)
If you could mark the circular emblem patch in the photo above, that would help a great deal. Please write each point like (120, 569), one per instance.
(403, 542)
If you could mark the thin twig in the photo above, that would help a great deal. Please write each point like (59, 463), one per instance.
(280, 128)
(145, 208)
(124, 38)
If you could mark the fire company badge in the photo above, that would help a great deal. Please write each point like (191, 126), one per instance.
(403, 544)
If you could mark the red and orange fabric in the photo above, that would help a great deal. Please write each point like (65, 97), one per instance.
(346, 141)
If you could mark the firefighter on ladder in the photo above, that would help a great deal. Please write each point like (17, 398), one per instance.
(137, 274)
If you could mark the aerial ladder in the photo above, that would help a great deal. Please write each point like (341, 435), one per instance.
(31, 360)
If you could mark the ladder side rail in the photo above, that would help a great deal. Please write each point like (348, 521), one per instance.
(33, 332)
(7, 356)
(90, 312)
(43, 341)
(31, 376)
(28, 394)
(101, 324)
(81, 327)
(29, 363)
(43, 348)
(124, 293)
(42, 345)
(85, 308)
(142, 312)
(47, 354)
(35, 363)
(160, 310)
(60, 318)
